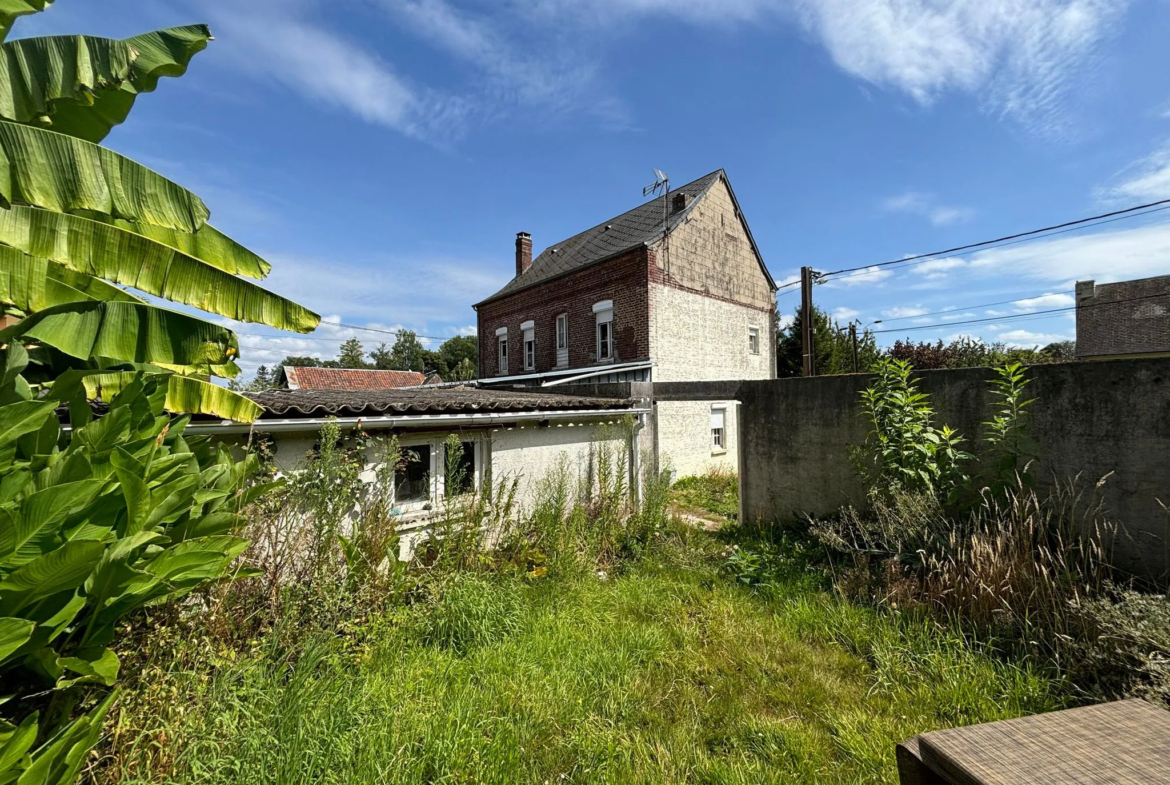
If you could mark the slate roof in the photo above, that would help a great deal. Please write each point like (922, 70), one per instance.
(423, 400)
(638, 227)
(349, 379)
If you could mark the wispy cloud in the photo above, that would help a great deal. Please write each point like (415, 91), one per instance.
(1045, 302)
(868, 276)
(844, 314)
(904, 311)
(283, 43)
(927, 206)
(1147, 180)
(1019, 58)
(1106, 256)
(1028, 339)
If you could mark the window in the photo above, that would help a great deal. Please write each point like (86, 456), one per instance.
(604, 313)
(412, 480)
(529, 329)
(718, 428)
(563, 339)
(502, 339)
(754, 340)
(461, 469)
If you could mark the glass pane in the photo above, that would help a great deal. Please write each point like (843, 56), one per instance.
(412, 481)
(461, 470)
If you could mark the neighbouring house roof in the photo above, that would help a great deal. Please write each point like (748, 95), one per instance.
(349, 379)
(637, 228)
(423, 400)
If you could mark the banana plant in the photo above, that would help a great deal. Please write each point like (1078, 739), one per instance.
(83, 229)
(97, 519)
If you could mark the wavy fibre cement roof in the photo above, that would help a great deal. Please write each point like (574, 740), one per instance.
(425, 400)
(641, 226)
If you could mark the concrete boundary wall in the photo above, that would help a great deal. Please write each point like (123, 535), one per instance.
(1090, 420)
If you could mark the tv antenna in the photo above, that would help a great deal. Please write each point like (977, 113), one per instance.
(661, 184)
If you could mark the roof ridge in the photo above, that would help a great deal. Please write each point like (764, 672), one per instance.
(609, 220)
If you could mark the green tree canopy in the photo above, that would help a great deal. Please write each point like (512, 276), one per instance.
(833, 347)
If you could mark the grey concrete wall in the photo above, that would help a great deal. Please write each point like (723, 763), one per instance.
(1090, 419)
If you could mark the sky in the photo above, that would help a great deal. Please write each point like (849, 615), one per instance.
(382, 154)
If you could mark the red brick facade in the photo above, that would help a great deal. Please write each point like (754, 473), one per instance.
(624, 280)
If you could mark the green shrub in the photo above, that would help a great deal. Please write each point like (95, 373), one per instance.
(122, 513)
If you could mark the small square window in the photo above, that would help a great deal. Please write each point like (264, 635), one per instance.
(718, 429)
(754, 340)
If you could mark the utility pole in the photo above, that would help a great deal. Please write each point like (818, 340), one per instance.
(853, 338)
(806, 321)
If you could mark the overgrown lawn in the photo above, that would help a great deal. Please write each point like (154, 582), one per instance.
(677, 670)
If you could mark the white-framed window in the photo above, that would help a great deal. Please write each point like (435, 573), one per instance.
(754, 340)
(502, 353)
(463, 468)
(414, 477)
(603, 311)
(718, 428)
(529, 331)
(563, 340)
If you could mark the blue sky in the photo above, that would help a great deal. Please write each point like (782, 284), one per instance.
(383, 153)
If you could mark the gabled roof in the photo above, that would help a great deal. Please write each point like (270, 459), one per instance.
(639, 227)
(349, 379)
(423, 400)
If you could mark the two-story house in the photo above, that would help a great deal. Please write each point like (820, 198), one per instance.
(673, 290)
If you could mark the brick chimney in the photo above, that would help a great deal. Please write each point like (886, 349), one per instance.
(523, 253)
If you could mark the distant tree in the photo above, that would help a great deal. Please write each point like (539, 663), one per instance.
(352, 355)
(833, 347)
(462, 347)
(262, 381)
(382, 358)
(1061, 351)
(465, 371)
(408, 353)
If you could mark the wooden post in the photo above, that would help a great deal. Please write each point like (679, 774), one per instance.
(853, 338)
(806, 321)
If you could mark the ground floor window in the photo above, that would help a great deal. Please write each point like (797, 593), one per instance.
(412, 480)
(461, 469)
(718, 428)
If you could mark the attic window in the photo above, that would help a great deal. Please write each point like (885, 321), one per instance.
(679, 203)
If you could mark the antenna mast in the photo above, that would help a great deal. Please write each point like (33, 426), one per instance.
(662, 185)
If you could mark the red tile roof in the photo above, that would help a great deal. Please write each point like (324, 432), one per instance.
(349, 379)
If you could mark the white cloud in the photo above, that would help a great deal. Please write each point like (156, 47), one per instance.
(950, 317)
(786, 321)
(1027, 339)
(936, 269)
(843, 314)
(1147, 180)
(279, 42)
(1018, 57)
(904, 311)
(927, 206)
(1045, 302)
(869, 276)
(1106, 256)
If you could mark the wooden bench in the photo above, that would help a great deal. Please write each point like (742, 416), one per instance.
(1123, 743)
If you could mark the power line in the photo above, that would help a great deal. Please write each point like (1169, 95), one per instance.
(970, 307)
(384, 332)
(1022, 315)
(1078, 223)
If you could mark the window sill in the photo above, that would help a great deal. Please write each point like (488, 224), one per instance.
(719, 452)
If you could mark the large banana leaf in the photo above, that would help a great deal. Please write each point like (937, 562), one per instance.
(11, 9)
(36, 73)
(132, 332)
(61, 173)
(33, 284)
(106, 251)
(208, 245)
(184, 394)
(155, 55)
